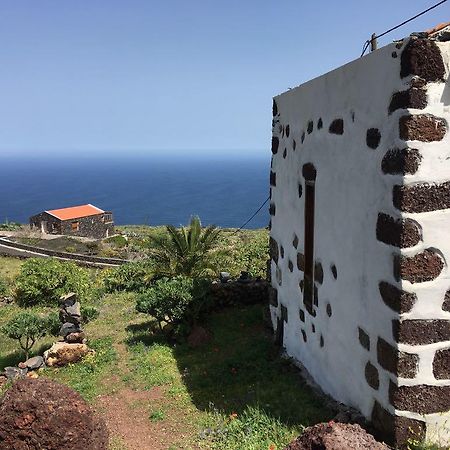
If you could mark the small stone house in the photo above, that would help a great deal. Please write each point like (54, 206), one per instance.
(360, 235)
(85, 220)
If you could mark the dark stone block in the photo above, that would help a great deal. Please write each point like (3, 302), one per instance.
(422, 127)
(300, 190)
(334, 271)
(273, 296)
(309, 172)
(423, 58)
(272, 209)
(318, 272)
(373, 138)
(395, 430)
(441, 364)
(401, 162)
(291, 266)
(274, 108)
(322, 343)
(420, 399)
(399, 363)
(401, 233)
(319, 124)
(295, 241)
(275, 144)
(285, 153)
(372, 377)
(364, 339)
(411, 98)
(294, 144)
(302, 315)
(421, 197)
(288, 130)
(313, 328)
(284, 313)
(281, 251)
(446, 304)
(424, 266)
(303, 137)
(273, 249)
(305, 338)
(421, 332)
(398, 300)
(310, 127)
(301, 262)
(328, 309)
(273, 178)
(336, 127)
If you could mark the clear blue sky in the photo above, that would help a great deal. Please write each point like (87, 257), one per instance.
(143, 75)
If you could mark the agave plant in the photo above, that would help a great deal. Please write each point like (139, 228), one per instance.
(189, 251)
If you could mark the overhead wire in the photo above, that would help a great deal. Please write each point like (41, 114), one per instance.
(252, 216)
(369, 41)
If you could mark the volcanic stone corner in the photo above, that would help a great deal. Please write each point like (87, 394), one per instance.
(401, 161)
(396, 299)
(441, 364)
(422, 127)
(424, 266)
(273, 249)
(397, 232)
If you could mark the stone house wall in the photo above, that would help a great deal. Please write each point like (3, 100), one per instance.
(360, 235)
(90, 226)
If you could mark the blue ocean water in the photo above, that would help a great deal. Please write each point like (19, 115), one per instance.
(152, 190)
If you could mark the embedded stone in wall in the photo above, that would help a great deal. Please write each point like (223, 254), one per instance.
(302, 315)
(294, 144)
(328, 310)
(401, 233)
(441, 364)
(421, 332)
(422, 127)
(284, 313)
(421, 197)
(373, 137)
(273, 296)
(300, 190)
(273, 178)
(295, 241)
(424, 266)
(274, 108)
(396, 429)
(310, 127)
(290, 266)
(423, 58)
(272, 209)
(301, 261)
(303, 137)
(337, 126)
(334, 271)
(398, 300)
(372, 377)
(364, 339)
(318, 272)
(420, 399)
(281, 251)
(411, 98)
(446, 304)
(273, 249)
(285, 153)
(401, 161)
(321, 342)
(288, 130)
(319, 124)
(275, 144)
(305, 338)
(399, 363)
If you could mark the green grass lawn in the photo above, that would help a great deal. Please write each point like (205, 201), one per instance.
(235, 392)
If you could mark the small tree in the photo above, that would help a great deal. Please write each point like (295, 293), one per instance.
(26, 328)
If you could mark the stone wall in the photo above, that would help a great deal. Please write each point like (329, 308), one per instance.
(360, 214)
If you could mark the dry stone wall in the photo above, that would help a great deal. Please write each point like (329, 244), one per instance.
(360, 214)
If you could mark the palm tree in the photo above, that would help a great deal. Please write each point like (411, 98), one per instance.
(188, 251)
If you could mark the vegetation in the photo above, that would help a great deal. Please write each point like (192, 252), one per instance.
(26, 328)
(10, 226)
(176, 301)
(186, 251)
(44, 281)
(131, 277)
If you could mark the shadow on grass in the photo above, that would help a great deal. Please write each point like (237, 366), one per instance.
(240, 369)
(146, 333)
(14, 358)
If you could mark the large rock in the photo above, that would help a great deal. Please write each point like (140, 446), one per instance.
(13, 373)
(68, 328)
(42, 414)
(34, 363)
(335, 436)
(63, 353)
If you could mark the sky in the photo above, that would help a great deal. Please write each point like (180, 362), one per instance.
(111, 77)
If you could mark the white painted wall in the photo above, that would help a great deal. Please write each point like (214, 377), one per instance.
(351, 190)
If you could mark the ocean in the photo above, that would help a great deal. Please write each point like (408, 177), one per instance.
(151, 190)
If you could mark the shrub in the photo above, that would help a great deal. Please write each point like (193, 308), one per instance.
(88, 313)
(44, 281)
(179, 300)
(53, 324)
(4, 289)
(26, 328)
(118, 241)
(131, 277)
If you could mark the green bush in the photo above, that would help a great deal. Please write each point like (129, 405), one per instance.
(179, 300)
(88, 313)
(4, 288)
(44, 281)
(131, 277)
(118, 241)
(26, 328)
(53, 324)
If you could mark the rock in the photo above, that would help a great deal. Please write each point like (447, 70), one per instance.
(22, 365)
(3, 380)
(12, 373)
(75, 338)
(64, 317)
(34, 363)
(68, 328)
(25, 421)
(198, 337)
(74, 310)
(68, 300)
(63, 353)
(32, 374)
(335, 436)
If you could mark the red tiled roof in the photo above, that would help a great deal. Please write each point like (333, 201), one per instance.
(75, 212)
(437, 28)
